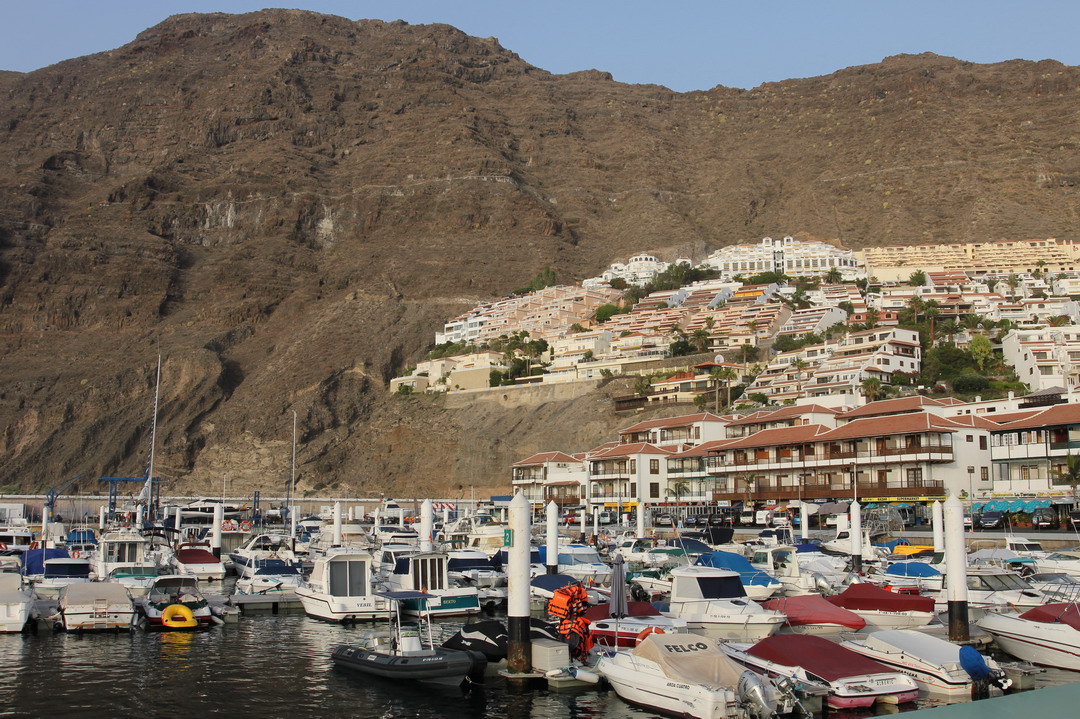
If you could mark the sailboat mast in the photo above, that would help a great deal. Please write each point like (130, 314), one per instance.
(147, 492)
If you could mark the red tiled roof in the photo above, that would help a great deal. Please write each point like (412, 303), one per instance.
(544, 458)
(704, 449)
(625, 450)
(1057, 414)
(668, 422)
(893, 424)
(976, 420)
(783, 413)
(892, 406)
(779, 435)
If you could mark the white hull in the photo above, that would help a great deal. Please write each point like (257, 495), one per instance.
(640, 682)
(14, 615)
(88, 618)
(745, 629)
(202, 572)
(1053, 645)
(876, 620)
(339, 609)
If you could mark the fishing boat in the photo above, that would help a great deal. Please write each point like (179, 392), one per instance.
(16, 603)
(940, 668)
(341, 588)
(175, 602)
(854, 680)
(406, 651)
(714, 604)
(194, 559)
(812, 614)
(1048, 635)
(688, 676)
(95, 606)
(882, 609)
(16, 537)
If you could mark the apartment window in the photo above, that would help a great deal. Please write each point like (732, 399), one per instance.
(970, 438)
(633, 466)
(984, 474)
(914, 477)
(654, 490)
(654, 466)
(982, 442)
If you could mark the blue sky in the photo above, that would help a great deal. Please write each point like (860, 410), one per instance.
(687, 45)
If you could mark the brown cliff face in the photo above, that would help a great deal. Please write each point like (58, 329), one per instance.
(286, 205)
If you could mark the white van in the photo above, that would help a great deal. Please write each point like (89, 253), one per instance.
(763, 517)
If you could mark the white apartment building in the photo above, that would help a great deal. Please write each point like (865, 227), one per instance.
(1046, 357)
(637, 271)
(786, 255)
(814, 320)
(551, 476)
(1030, 450)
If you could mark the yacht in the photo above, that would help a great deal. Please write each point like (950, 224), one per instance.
(195, 559)
(263, 546)
(714, 604)
(427, 572)
(342, 587)
(125, 556)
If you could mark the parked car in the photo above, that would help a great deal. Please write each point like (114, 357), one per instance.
(663, 520)
(720, 519)
(1045, 518)
(608, 518)
(1074, 518)
(992, 520)
(969, 522)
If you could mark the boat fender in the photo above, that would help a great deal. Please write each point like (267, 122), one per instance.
(646, 632)
(584, 675)
(553, 673)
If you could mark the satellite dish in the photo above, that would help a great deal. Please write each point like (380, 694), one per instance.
(718, 359)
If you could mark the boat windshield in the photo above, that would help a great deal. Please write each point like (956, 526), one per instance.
(1061, 557)
(463, 564)
(996, 582)
(1027, 547)
(580, 556)
(1061, 578)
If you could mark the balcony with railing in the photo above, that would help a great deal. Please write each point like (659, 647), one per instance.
(833, 487)
(779, 458)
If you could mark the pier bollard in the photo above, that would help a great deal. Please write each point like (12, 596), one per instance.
(103, 513)
(519, 646)
(427, 525)
(552, 558)
(804, 521)
(937, 517)
(595, 522)
(215, 532)
(856, 537)
(640, 516)
(956, 569)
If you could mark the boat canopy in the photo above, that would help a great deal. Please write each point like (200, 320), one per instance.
(1058, 613)
(912, 569)
(196, 556)
(870, 598)
(602, 611)
(717, 584)
(88, 592)
(551, 582)
(749, 574)
(67, 569)
(33, 560)
(461, 564)
(814, 609)
(689, 659)
(817, 655)
(690, 546)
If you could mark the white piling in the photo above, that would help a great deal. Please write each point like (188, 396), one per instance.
(337, 524)
(445, 518)
(177, 520)
(584, 513)
(856, 537)
(427, 525)
(937, 518)
(804, 521)
(103, 513)
(641, 519)
(552, 557)
(596, 521)
(294, 517)
(215, 531)
(956, 569)
(519, 649)
(139, 510)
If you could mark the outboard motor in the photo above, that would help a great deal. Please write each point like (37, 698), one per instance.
(752, 692)
(982, 676)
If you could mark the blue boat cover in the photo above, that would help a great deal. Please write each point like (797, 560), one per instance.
(807, 547)
(912, 569)
(690, 546)
(891, 546)
(737, 563)
(551, 582)
(33, 560)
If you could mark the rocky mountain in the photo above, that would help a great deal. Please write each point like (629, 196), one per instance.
(286, 205)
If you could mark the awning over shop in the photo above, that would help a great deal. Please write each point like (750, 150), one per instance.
(977, 506)
(996, 505)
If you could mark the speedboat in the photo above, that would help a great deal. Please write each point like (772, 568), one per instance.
(263, 546)
(882, 609)
(854, 680)
(196, 560)
(640, 620)
(581, 562)
(50, 570)
(993, 589)
(714, 604)
(15, 603)
(95, 606)
(646, 552)
(783, 563)
(912, 574)
(341, 588)
(757, 582)
(401, 652)
(175, 602)
(473, 568)
(812, 614)
(1057, 586)
(1047, 635)
(689, 676)
(940, 668)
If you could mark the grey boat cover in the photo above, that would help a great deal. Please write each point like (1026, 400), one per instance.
(691, 659)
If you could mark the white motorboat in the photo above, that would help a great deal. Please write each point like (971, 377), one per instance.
(936, 665)
(1059, 562)
(95, 606)
(882, 609)
(16, 537)
(686, 675)
(647, 552)
(427, 572)
(581, 562)
(57, 573)
(175, 602)
(757, 582)
(1047, 635)
(342, 588)
(992, 589)
(202, 511)
(854, 680)
(714, 604)
(263, 546)
(272, 576)
(15, 603)
(473, 568)
(127, 557)
(198, 561)
(781, 562)
(1057, 586)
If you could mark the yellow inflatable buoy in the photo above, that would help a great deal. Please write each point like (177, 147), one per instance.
(177, 616)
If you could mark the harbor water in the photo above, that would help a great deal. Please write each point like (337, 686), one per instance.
(264, 666)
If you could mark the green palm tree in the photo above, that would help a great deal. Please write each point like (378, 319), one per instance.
(833, 276)
(677, 489)
(871, 388)
(1071, 473)
(700, 339)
